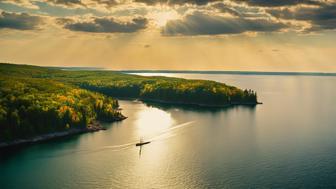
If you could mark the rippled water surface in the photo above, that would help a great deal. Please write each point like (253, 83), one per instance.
(288, 142)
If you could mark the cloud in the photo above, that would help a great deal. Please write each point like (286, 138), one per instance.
(199, 23)
(240, 10)
(278, 3)
(105, 25)
(66, 2)
(23, 3)
(69, 4)
(199, 17)
(176, 2)
(19, 21)
(85, 3)
(321, 17)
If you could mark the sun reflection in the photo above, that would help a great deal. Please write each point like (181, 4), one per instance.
(153, 121)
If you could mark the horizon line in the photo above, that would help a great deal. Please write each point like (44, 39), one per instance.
(232, 72)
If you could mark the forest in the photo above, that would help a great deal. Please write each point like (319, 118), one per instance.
(36, 100)
(34, 106)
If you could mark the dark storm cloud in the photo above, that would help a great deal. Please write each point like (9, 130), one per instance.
(176, 2)
(19, 21)
(105, 25)
(322, 17)
(277, 3)
(202, 24)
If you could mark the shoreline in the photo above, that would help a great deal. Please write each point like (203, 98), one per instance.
(189, 104)
(92, 127)
(96, 126)
(199, 104)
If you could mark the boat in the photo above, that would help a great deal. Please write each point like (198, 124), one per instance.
(142, 143)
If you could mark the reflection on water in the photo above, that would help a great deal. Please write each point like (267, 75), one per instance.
(147, 117)
(289, 141)
(195, 108)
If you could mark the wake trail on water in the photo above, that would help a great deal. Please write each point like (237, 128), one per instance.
(165, 134)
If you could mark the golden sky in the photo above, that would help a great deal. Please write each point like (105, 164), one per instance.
(247, 35)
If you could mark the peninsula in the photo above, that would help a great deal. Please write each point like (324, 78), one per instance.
(41, 103)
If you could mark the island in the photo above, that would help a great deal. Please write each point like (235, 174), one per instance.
(42, 103)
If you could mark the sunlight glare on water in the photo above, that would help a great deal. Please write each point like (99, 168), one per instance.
(152, 121)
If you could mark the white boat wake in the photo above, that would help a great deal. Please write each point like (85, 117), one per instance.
(168, 132)
(165, 134)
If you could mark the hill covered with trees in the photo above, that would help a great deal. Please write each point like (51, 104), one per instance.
(36, 100)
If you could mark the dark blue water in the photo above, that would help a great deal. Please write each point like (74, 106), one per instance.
(288, 142)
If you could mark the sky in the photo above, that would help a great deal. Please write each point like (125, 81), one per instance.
(242, 35)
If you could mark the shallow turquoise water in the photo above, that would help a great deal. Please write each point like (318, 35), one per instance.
(288, 142)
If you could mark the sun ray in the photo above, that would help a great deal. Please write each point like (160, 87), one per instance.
(162, 15)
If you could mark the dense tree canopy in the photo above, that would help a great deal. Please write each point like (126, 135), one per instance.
(32, 106)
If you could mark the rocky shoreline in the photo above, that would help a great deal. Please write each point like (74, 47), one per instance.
(92, 127)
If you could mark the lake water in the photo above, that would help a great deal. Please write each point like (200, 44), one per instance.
(288, 142)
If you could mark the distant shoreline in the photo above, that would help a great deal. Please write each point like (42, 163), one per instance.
(231, 72)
